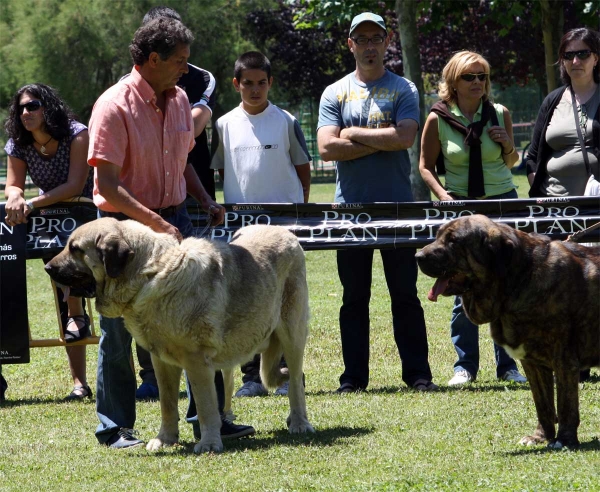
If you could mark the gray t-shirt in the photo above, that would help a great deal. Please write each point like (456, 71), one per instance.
(567, 174)
(383, 176)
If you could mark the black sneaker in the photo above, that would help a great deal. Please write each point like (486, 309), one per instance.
(123, 439)
(229, 430)
(348, 388)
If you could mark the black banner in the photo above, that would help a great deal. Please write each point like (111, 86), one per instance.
(345, 225)
(14, 333)
(317, 226)
(394, 225)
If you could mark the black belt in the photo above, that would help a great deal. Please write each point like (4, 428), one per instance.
(167, 212)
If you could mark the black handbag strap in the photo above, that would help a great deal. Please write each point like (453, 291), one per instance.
(578, 127)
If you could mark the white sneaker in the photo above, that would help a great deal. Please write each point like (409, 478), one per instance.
(460, 378)
(514, 376)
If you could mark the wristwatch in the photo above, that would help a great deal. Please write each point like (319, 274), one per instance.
(30, 205)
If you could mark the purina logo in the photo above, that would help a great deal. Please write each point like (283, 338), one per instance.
(55, 211)
(553, 200)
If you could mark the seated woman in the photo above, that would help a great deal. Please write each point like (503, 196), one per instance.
(474, 139)
(46, 142)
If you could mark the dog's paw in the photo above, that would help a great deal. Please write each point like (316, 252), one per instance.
(532, 441)
(161, 441)
(299, 426)
(155, 444)
(208, 446)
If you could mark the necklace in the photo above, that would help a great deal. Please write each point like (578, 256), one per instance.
(43, 146)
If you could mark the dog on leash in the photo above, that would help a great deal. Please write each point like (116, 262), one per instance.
(542, 300)
(200, 306)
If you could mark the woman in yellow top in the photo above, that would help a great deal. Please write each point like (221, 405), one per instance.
(475, 140)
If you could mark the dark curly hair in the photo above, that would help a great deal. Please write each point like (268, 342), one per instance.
(161, 11)
(161, 35)
(589, 37)
(57, 115)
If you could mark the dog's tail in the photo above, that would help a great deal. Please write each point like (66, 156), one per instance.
(270, 371)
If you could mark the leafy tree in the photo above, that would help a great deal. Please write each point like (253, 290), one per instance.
(82, 48)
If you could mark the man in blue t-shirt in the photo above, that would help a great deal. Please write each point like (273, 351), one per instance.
(367, 120)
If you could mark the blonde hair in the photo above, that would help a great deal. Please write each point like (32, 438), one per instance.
(453, 70)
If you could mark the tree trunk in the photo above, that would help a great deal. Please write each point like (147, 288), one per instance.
(406, 11)
(552, 30)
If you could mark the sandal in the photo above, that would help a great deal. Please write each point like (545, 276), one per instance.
(424, 385)
(81, 333)
(79, 393)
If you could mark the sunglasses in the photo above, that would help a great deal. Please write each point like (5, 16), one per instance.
(470, 77)
(581, 54)
(30, 106)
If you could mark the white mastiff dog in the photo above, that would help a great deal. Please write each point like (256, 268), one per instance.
(199, 306)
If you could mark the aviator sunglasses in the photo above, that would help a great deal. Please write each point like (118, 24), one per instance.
(470, 77)
(30, 106)
(581, 54)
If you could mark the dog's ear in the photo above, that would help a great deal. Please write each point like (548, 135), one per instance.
(502, 248)
(114, 253)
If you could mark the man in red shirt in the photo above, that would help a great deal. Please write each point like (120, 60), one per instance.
(141, 132)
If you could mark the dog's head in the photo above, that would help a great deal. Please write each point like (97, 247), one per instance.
(470, 257)
(95, 251)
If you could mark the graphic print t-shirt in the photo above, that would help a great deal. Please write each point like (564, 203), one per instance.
(382, 176)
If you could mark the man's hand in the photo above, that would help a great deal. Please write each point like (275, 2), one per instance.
(346, 133)
(216, 211)
(158, 224)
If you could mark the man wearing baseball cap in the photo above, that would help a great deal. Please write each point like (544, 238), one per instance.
(367, 17)
(367, 121)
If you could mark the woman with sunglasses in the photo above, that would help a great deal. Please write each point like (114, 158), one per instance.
(473, 140)
(555, 163)
(46, 142)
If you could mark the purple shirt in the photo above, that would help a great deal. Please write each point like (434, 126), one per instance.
(48, 173)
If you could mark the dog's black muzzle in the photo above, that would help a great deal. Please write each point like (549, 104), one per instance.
(80, 285)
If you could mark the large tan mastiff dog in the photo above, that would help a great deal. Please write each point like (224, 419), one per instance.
(199, 306)
(542, 299)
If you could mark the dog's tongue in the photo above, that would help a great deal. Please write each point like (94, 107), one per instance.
(438, 288)
(66, 292)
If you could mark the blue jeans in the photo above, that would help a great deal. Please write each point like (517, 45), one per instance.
(116, 382)
(355, 272)
(465, 334)
(465, 337)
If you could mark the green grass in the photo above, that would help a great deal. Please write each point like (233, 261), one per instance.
(388, 438)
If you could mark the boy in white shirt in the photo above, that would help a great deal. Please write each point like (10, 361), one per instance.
(262, 158)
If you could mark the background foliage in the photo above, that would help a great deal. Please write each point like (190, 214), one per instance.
(81, 46)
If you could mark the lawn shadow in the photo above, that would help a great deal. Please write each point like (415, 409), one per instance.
(331, 436)
(477, 388)
(45, 401)
(593, 445)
